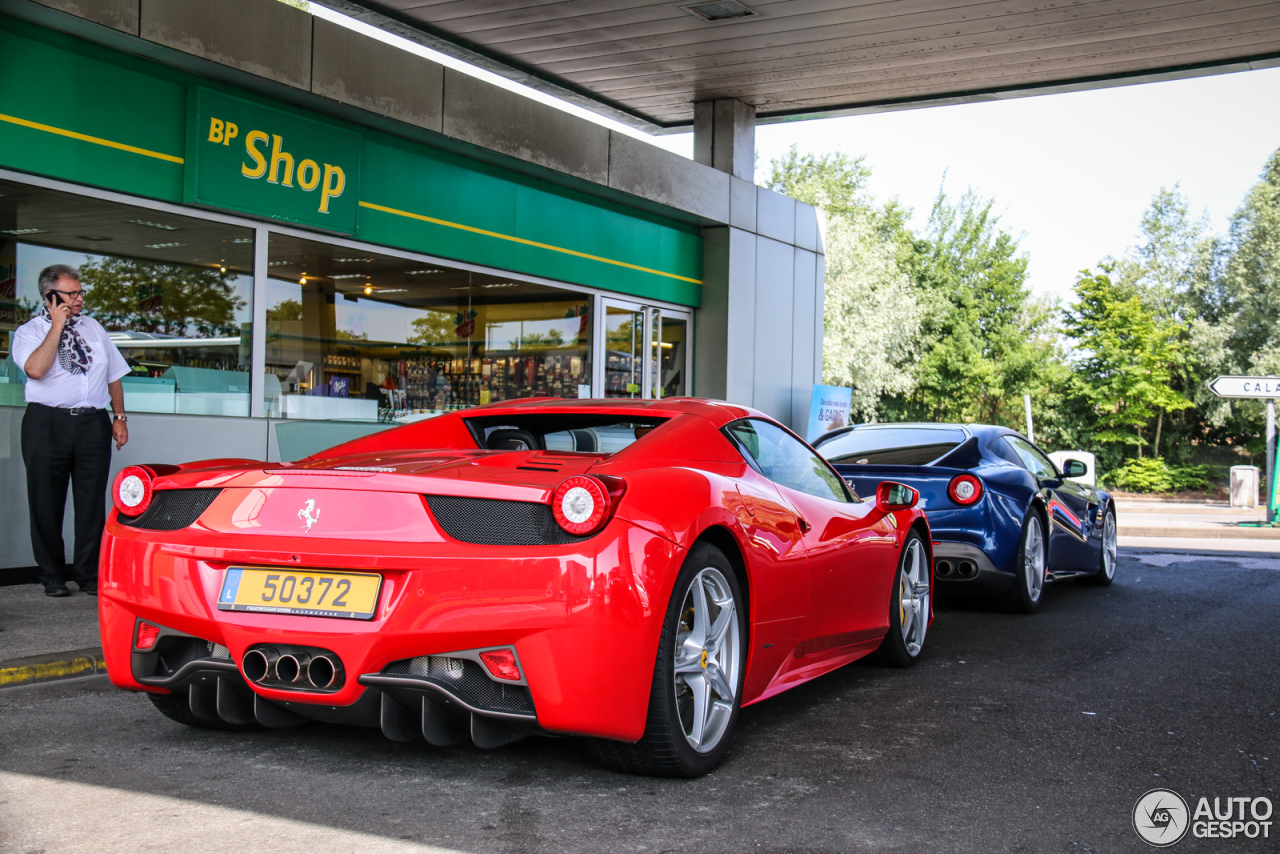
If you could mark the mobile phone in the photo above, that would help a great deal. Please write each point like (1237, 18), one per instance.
(53, 297)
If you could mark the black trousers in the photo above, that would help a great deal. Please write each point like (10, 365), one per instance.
(58, 447)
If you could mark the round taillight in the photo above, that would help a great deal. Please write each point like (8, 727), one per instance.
(965, 489)
(580, 505)
(131, 492)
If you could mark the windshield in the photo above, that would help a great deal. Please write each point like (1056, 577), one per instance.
(901, 446)
(591, 433)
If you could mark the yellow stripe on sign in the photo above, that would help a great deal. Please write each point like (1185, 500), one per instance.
(526, 242)
(96, 140)
(18, 675)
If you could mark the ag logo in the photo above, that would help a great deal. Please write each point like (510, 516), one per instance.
(1161, 817)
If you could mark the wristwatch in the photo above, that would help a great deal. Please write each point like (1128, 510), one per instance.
(118, 417)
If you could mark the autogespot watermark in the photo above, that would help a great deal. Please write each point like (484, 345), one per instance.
(1162, 817)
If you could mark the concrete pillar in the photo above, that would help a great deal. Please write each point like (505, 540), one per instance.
(724, 137)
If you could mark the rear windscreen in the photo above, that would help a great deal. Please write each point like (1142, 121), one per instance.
(592, 433)
(899, 446)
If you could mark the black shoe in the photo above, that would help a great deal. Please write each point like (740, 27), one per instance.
(90, 587)
(56, 590)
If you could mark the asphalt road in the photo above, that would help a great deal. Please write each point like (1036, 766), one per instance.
(1013, 734)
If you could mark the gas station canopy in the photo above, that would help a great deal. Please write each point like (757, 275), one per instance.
(647, 63)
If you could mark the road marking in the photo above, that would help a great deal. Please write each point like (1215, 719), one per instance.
(1164, 560)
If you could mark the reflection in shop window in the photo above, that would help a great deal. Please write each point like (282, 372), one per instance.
(183, 329)
(177, 328)
(397, 345)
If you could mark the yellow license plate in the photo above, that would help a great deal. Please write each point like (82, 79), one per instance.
(350, 595)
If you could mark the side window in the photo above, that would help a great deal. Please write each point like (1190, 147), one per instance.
(785, 460)
(1001, 448)
(1036, 462)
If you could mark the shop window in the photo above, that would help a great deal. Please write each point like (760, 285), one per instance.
(358, 335)
(175, 293)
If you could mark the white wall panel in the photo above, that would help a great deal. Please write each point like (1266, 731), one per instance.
(805, 298)
(775, 307)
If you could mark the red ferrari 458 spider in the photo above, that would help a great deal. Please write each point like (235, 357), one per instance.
(632, 571)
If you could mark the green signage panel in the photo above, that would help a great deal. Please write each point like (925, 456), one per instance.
(245, 157)
(85, 113)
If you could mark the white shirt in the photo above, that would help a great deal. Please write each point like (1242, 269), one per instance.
(59, 387)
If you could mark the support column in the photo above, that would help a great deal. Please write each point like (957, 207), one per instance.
(724, 137)
(723, 361)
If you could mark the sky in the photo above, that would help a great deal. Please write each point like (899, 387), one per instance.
(1070, 174)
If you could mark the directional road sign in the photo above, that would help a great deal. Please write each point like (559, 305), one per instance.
(1255, 387)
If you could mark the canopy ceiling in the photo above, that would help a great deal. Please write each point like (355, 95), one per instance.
(648, 63)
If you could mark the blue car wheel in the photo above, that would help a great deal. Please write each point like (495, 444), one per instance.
(1029, 567)
(1107, 559)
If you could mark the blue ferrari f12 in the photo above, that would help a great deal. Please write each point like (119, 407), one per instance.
(1005, 519)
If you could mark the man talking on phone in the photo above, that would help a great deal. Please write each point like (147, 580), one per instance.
(75, 407)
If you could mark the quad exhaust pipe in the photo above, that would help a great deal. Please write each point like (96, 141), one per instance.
(295, 668)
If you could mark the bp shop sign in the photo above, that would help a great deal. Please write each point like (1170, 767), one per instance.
(257, 160)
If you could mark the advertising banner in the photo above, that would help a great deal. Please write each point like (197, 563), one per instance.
(828, 409)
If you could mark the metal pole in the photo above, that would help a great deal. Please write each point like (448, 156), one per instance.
(1031, 430)
(1271, 456)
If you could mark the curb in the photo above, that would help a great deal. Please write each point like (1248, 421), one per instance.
(1201, 532)
(48, 668)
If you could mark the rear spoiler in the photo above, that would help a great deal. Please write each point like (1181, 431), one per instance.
(962, 456)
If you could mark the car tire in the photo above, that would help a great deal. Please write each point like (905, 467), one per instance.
(908, 606)
(1029, 568)
(174, 706)
(1106, 573)
(701, 658)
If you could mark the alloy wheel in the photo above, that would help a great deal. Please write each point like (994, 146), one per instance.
(708, 658)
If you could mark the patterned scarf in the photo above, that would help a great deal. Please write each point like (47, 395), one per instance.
(74, 353)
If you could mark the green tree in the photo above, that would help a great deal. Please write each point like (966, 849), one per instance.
(286, 309)
(1125, 362)
(1236, 328)
(1172, 262)
(871, 312)
(167, 299)
(836, 183)
(985, 341)
(536, 340)
(1171, 270)
(434, 327)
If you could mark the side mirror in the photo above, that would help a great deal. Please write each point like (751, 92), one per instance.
(1074, 468)
(895, 496)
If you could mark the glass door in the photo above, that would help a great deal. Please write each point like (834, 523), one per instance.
(669, 353)
(624, 348)
(645, 351)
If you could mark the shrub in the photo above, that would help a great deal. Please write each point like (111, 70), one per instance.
(1155, 475)
(1191, 478)
(1142, 475)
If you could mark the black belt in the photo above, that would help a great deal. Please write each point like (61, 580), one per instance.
(71, 410)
